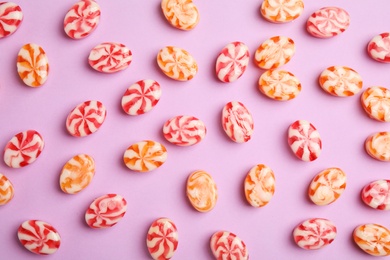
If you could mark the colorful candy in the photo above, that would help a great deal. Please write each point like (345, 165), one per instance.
(106, 211)
(232, 62)
(33, 65)
(328, 22)
(86, 118)
(202, 191)
(279, 85)
(184, 130)
(82, 19)
(177, 63)
(6, 190)
(11, 17)
(77, 174)
(376, 102)
(304, 140)
(341, 81)
(373, 239)
(378, 146)
(281, 11)
(237, 122)
(23, 149)
(274, 52)
(162, 239)
(377, 194)
(227, 246)
(39, 237)
(110, 57)
(379, 47)
(259, 185)
(314, 233)
(181, 14)
(145, 156)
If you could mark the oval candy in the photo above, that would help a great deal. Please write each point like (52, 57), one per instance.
(202, 191)
(279, 85)
(232, 62)
(275, 52)
(376, 103)
(379, 47)
(281, 11)
(11, 16)
(110, 57)
(378, 146)
(162, 239)
(226, 245)
(184, 130)
(77, 174)
(259, 185)
(181, 14)
(341, 81)
(6, 190)
(373, 239)
(237, 122)
(328, 22)
(377, 194)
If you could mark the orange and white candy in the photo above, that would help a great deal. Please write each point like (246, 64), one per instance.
(378, 146)
(202, 191)
(259, 185)
(274, 52)
(6, 190)
(376, 102)
(181, 14)
(341, 81)
(279, 85)
(281, 11)
(373, 239)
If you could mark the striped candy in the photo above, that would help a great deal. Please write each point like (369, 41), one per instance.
(181, 14)
(379, 47)
(378, 146)
(274, 52)
(11, 16)
(162, 239)
(281, 11)
(184, 130)
(6, 190)
(328, 22)
(77, 174)
(373, 239)
(110, 57)
(237, 122)
(202, 191)
(376, 103)
(279, 85)
(341, 81)
(377, 194)
(227, 246)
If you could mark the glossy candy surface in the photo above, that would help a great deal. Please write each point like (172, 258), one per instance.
(376, 102)
(377, 194)
(227, 246)
(281, 11)
(110, 57)
(341, 81)
(274, 52)
(328, 22)
(77, 174)
(184, 130)
(11, 16)
(202, 191)
(237, 122)
(379, 47)
(181, 14)
(6, 190)
(279, 85)
(378, 146)
(373, 239)
(162, 239)
(259, 185)
(141, 97)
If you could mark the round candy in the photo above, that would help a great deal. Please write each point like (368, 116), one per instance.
(23, 149)
(110, 57)
(86, 118)
(376, 102)
(39, 237)
(106, 211)
(378, 146)
(82, 19)
(274, 52)
(232, 62)
(226, 245)
(314, 233)
(379, 47)
(281, 11)
(373, 239)
(341, 81)
(177, 63)
(377, 194)
(202, 191)
(184, 130)
(327, 186)
(259, 185)
(162, 239)
(279, 85)
(304, 140)
(181, 14)
(141, 97)
(145, 156)
(328, 22)
(237, 122)
(11, 17)
(6, 190)
(77, 174)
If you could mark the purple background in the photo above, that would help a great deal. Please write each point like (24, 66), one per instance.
(140, 25)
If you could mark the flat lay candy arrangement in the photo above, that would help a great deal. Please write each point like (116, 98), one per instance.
(194, 130)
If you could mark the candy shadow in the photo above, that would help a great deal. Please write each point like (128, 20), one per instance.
(161, 16)
(287, 146)
(141, 242)
(241, 192)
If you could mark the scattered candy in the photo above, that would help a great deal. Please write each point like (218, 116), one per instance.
(232, 62)
(373, 239)
(82, 19)
(327, 186)
(77, 174)
(39, 237)
(377, 194)
(237, 122)
(314, 233)
(202, 191)
(376, 102)
(341, 81)
(33, 65)
(227, 246)
(162, 239)
(145, 156)
(86, 118)
(304, 140)
(11, 17)
(279, 85)
(259, 185)
(379, 47)
(6, 190)
(328, 22)
(274, 52)
(378, 146)
(141, 97)
(181, 14)
(184, 130)
(23, 149)
(110, 57)
(106, 211)
(281, 11)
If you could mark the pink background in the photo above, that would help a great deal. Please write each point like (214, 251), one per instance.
(141, 26)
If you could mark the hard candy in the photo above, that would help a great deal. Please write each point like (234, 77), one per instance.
(184, 130)
(202, 191)
(77, 174)
(11, 16)
(328, 22)
(226, 245)
(378, 146)
(259, 185)
(341, 81)
(181, 14)
(110, 57)
(377, 194)
(274, 52)
(281, 11)
(6, 190)
(141, 97)
(376, 103)
(162, 239)
(373, 239)
(379, 47)
(237, 122)
(279, 85)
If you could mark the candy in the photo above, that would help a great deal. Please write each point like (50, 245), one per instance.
(23, 149)
(378, 146)
(162, 239)
(181, 14)
(86, 118)
(141, 97)
(202, 191)
(281, 11)
(327, 186)
(184, 130)
(377, 194)
(11, 17)
(6, 190)
(110, 57)
(77, 174)
(145, 156)
(259, 185)
(376, 102)
(106, 211)
(39, 237)
(341, 81)
(32, 65)
(177, 63)
(274, 52)
(237, 122)
(373, 239)
(304, 140)
(279, 85)
(227, 246)
(314, 233)
(328, 22)
(379, 47)
(232, 62)
(82, 19)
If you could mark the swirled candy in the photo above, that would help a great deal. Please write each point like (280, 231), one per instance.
(77, 174)
(376, 103)
(373, 239)
(378, 146)
(274, 52)
(279, 85)
(23, 149)
(162, 239)
(181, 14)
(341, 81)
(237, 122)
(184, 130)
(377, 194)
(202, 191)
(259, 185)
(110, 57)
(11, 16)
(281, 11)
(379, 47)
(6, 190)
(226, 245)
(328, 22)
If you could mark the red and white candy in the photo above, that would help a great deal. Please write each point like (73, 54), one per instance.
(377, 194)
(376, 103)
(141, 97)
(110, 57)
(227, 246)
(328, 22)
(379, 47)
(184, 130)
(11, 17)
(162, 239)
(6, 190)
(378, 146)
(237, 122)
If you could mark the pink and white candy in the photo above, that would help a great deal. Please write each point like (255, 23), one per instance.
(11, 17)
(227, 246)
(377, 194)
(328, 22)
(110, 57)
(237, 122)
(379, 47)
(184, 130)
(141, 97)
(162, 239)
